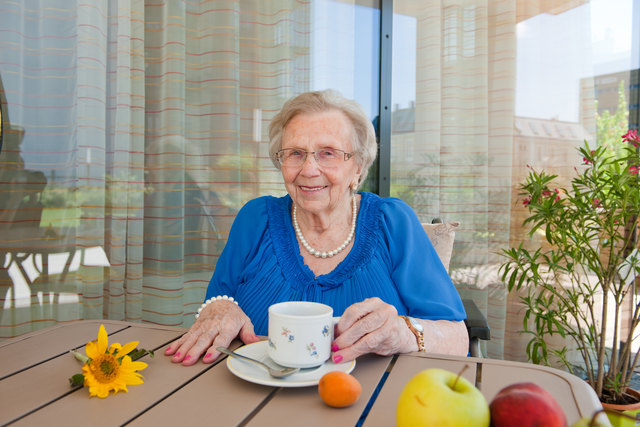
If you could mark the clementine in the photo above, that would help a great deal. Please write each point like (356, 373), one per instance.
(339, 389)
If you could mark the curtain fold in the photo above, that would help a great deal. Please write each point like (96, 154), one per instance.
(137, 129)
(457, 163)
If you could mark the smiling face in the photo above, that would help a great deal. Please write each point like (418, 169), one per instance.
(320, 190)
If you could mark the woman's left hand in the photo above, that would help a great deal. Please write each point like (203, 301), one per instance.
(371, 326)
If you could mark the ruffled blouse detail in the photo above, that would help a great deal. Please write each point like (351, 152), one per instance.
(285, 244)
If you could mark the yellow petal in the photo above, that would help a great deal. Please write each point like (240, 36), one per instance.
(134, 381)
(95, 388)
(121, 388)
(91, 349)
(103, 340)
(99, 391)
(138, 366)
(128, 364)
(127, 348)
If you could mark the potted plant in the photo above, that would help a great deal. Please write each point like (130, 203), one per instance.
(578, 281)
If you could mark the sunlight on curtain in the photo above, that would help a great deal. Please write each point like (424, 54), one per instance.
(453, 136)
(135, 130)
(216, 73)
(135, 134)
(484, 90)
(72, 165)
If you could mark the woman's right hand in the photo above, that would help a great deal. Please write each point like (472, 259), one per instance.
(219, 323)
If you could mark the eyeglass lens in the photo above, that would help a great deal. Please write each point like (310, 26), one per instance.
(325, 157)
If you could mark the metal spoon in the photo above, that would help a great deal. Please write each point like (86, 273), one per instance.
(274, 372)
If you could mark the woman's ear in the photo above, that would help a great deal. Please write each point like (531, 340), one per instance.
(358, 176)
(355, 183)
(356, 179)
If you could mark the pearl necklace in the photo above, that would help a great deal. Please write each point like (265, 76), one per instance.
(329, 254)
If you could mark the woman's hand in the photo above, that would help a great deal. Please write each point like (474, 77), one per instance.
(371, 326)
(219, 323)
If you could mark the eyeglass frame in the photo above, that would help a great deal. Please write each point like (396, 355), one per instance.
(347, 155)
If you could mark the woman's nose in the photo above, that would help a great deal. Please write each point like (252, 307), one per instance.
(310, 164)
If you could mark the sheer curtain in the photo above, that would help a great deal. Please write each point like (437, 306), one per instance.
(456, 161)
(483, 89)
(215, 74)
(134, 131)
(72, 162)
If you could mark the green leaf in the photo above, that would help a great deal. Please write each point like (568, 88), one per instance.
(577, 242)
(140, 352)
(76, 380)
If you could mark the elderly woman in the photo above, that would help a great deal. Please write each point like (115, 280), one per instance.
(366, 256)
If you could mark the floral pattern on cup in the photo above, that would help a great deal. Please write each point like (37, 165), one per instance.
(302, 332)
(325, 331)
(272, 345)
(312, 350)
(287, 333)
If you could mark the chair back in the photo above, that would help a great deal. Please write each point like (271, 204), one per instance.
(442, 236)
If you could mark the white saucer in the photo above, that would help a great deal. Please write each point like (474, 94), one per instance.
(256, 374)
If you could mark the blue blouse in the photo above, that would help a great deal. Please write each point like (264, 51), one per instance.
(391, 258)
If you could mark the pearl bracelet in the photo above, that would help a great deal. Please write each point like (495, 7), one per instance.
(210, 300)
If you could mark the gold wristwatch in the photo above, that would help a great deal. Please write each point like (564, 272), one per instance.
(417, 329)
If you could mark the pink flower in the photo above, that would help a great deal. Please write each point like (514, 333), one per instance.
(551, 193)
(526, 201)
(587, 161)
(633, 169)
(632, 137)
(595, 203)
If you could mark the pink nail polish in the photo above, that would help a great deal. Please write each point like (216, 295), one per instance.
(187, 357)
(177, 354)
(335, 347)
(337, 358)
(207, 356)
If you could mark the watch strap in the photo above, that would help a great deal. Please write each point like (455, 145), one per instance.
(418, 334)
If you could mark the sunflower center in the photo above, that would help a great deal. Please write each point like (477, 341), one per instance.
(105, 368)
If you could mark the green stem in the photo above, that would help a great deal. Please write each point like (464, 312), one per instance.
(80, 357)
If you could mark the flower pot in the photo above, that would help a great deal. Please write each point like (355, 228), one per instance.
(632, 409)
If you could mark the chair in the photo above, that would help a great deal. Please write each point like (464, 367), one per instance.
(442, 236)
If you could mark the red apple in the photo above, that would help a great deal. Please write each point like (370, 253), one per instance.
(526, 405)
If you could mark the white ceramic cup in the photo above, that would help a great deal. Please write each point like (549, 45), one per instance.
(300, 333)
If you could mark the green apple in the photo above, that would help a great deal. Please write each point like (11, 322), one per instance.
(598, 420)
(437, 397)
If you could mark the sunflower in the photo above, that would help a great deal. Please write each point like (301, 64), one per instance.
(110, 368)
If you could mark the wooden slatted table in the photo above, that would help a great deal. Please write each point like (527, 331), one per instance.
(35, 367)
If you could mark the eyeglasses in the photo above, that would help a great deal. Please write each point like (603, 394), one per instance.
(326, 157)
